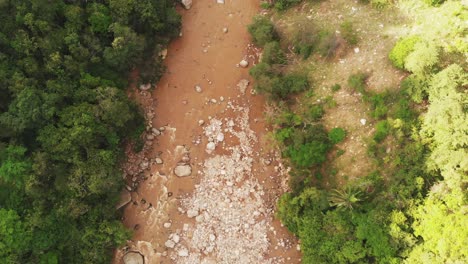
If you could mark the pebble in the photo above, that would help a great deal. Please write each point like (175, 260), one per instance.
(169, 244)
(183, 252)
(244, 63)
(198, 88)
(191, 213)
(225, 30)
(201, 122)
(363, 121)
(158, 161)
(167, 225)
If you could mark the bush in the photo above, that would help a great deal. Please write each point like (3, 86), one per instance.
(262, 31)
(282, 87)
(336, 87)
(415, 87)
(272, 53)
(348, 33)
(336, 135)
(401, 50)
(316, 112)
(284, 4)
(378, 103)
(434, 2)
(382, 131)
(327, 44)
(358, 82)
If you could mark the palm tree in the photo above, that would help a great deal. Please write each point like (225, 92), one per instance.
(345, 199)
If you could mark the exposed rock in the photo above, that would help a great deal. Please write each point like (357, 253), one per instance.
(220, 1)
(183, 252)
(145, 87)
(167, 225)
(133, 258)
(126, 198)
(242, 85)
(198, 88)
(158, 161)
(155, 131)
(363, 121)
(150, 137)
(163, 54)
(220, 137)
(144, 165)
(169, 244)
(176, 238)
(201, 122)
(185, 158)
(244, 63)
(191, 213)
(210, 147)
(225, 30)
(187, 4)
(183, 170)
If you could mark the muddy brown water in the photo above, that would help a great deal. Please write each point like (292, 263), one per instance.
(204, 55)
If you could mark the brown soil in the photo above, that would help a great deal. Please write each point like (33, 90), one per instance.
(204, 56)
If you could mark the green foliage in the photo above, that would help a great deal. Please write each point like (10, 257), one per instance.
(272, 54)
(315, 112)
(345, 199)
(285, 4)
(382, 129)
(358, 82)
(262, 31)
(416, 87)
(336, 87)
(378, 104)
(336, 135)
(64, 114)
(423, 58)
(402, 49)
(348, 33)
(434, 2)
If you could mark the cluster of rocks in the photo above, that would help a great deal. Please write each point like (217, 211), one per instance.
(231, 222)
(183, 168)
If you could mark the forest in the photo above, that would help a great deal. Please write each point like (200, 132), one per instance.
(413, 207)
(64, 117)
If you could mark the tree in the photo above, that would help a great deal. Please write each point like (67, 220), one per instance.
(345, 199)
(262, 31)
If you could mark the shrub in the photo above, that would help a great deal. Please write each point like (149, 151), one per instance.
(358, 82)
(401, 50)
(336, 87)
(289, 84)
(327, 44)
(262, 31)
(415, 87)
(284, 4)
(434, 2)
(382, 130)
(424, 56)
(379, 108)
(348, 33)
(272, 53)
(316, 112)
(336, 135)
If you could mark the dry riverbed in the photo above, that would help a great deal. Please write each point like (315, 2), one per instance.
(204, 188)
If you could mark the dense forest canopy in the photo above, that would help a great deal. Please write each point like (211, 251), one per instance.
(64, 115)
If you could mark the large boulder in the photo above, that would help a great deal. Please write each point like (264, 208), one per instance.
(124, 200)
(187, 4)
(183, 170)
(133, 258)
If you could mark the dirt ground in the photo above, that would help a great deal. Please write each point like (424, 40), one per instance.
(170, 215)
(377, 31)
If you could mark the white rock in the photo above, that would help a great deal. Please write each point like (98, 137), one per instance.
(169, 244)
(363, 121)
(210, 146)
(214, 101)
(198, 88)
(220, 1)
(183, 170)
(163, 53)
(225, 30)
(356, 50)
(187, 4)
(155, 131)
(183, 252)
(150, 137)
(199, 218)
(145, 87)
(167, 225)
(220, 137)
(244, 63)
(212, 237)
(191, 213)
(133, 258)
(158, 160)
(176, 238)
(201, 122)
